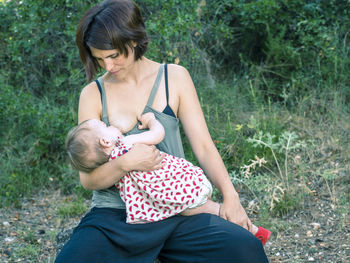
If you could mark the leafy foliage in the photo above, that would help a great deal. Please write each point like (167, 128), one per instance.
(37, 41)
(249, 60)
(171, 26)
(278, 41)
(32, 140)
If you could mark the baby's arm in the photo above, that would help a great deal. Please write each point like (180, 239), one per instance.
(154, 135)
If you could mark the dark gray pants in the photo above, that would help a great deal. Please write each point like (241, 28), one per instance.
(103, 236)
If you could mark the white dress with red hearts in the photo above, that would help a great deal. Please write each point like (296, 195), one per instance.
(156, 195)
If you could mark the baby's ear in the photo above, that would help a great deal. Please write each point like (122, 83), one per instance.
(105, 142)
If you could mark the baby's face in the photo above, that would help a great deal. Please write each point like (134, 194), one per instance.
(104, 131)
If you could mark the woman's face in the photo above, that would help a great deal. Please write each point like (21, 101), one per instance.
(114, 62)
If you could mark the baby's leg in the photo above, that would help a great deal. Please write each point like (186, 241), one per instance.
(210, 207)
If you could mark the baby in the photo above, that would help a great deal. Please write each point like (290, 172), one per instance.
(177, 188)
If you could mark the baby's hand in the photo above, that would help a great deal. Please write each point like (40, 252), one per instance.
(146, 119)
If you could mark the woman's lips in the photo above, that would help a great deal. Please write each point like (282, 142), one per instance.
(114, 72)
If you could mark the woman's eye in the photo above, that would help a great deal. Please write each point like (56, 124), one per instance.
(115, 56)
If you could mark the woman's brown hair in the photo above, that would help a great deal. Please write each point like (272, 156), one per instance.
(113, 24)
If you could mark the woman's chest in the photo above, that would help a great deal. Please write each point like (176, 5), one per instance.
(124, 109)
(125, 104)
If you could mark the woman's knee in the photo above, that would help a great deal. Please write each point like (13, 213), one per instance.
(244, 245)
(240, 243)
(83, 245)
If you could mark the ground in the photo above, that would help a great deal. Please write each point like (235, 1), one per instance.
(319, 232)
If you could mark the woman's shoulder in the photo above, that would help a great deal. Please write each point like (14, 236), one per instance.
(178, 70)
(179, 75)
(89, 102)
(89, 90)
(90, 97)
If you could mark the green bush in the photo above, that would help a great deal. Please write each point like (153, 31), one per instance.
(278, 42)
(39, 37)
(172, 25)
(32, 140)
(243, 55)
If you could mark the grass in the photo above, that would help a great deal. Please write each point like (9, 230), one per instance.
(29, 251)
(72, 208)
(305, 146)
(300, 142)
(297, 121)
(302, 138)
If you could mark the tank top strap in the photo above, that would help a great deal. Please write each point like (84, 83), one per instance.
(101, 88)
(155, 86)
(166, 83)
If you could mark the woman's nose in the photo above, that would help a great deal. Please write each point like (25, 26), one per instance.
(108, 64)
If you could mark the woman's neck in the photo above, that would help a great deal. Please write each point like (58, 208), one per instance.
(137, 72)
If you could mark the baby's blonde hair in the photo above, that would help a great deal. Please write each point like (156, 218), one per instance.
(81, 144)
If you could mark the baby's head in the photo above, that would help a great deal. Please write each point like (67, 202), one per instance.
(90, 143)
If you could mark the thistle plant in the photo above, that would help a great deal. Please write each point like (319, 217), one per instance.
(286, 143)
(247, 169)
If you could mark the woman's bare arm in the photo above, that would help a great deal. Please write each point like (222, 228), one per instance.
(141, 157)
(194, 125)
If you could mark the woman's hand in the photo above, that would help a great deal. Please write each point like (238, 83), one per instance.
(142, 157)
(232, 210)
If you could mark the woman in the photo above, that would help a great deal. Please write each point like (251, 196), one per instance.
(112, 36)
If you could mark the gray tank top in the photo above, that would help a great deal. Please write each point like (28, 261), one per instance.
(171, 144)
